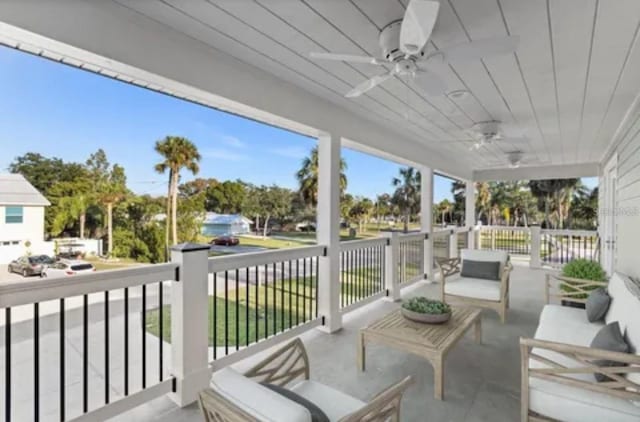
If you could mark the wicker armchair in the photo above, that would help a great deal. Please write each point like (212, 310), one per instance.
(449, 270)
(283, 368)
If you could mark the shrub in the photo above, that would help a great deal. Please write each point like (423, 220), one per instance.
(582, 269)
(423, 305)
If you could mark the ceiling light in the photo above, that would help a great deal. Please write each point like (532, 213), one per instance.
(459, 94)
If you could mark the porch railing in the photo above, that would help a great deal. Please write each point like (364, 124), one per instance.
(362, 270)
(546, 247)
(91, 331)
(99, 344)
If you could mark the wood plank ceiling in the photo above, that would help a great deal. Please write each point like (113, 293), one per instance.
(565, 90)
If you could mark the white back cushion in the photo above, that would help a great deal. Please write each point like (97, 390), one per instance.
(485, 255)
(257, 400)
(625, 308)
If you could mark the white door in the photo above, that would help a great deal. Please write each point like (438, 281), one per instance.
(608, 232)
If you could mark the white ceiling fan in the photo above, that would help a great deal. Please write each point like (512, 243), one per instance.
(515, 159)
(403, 43)
(487, 133)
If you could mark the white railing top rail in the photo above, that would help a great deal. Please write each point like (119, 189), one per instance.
(251, 259)
(567, 232)
(350, 245)
(506, 228)
(35, 291)
(412, 237)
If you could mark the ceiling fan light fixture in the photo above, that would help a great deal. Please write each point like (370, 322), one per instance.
(458, 94)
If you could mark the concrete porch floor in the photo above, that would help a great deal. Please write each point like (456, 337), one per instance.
(482, 382)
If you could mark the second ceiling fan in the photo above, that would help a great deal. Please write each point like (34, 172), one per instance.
(403, 43)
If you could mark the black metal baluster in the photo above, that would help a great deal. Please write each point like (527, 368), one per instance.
(237, 310)
(246, 308)
(226, 312)
(316, 278)
(257, 311)
(62, 361)
(106, 347)
(304, 289)
(126, 341)
(214, 321)
(342, 274)
(266, 300)
(297, 291)
(85, 354)
(144, 337)
(290, 296)
(282, 327)
(160, 326)
(36, 362)
(7, 364)
(350, 277)
(275, 300)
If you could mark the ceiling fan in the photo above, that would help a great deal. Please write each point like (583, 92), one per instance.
(487, 133)
(515, 159)
(402, 43)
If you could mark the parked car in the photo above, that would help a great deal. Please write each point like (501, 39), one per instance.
(226, 241)
(66, 268)
(29, 265)
(70, 251)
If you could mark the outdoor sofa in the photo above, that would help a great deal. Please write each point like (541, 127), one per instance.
(560, 368)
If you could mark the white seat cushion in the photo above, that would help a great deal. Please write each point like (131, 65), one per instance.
(335, 404)
(476, 288)
(571, 404)
(257, 400)
(485, 256)
(561, 402)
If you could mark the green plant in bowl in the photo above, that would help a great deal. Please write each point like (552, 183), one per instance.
(582, 269)
(422, 309)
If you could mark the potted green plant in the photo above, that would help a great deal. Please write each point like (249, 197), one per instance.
(422, 309)
(582, 269)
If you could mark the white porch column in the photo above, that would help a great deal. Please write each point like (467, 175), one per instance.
(189, 322)
(536, 243)
(470, 212)
(328, 231)
(392, 261)
(426, 218)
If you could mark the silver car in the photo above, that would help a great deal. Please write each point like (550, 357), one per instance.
(67, 268)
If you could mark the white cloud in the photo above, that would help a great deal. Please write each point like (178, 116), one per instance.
(224, 154)
(291, 152)
(232, 141)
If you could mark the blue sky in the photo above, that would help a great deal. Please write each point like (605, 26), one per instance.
(61, 111)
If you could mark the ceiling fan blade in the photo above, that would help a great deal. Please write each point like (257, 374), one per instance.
(419, 20)
(430, 82)
(480, 49)
(369, 84)
(345, 58)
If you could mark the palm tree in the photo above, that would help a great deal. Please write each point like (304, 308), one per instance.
(178, 153)
(445, 207)
(407, 194)
(308, 178)
(483, 200)
(111, 190)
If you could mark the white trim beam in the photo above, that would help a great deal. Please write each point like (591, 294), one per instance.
(538, 173)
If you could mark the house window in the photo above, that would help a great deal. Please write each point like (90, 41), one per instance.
(13, 215)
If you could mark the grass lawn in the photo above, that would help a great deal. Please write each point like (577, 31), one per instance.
(254, 314)
(101, 265)
(270, 243)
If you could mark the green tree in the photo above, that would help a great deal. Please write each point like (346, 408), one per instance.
(227, 197)
(361, 211)
(382, 207)
(407, 193)
(69, 203)
(308, 178)
(177, 153)
(276, 203)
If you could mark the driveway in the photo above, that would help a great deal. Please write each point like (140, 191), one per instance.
(5, 277)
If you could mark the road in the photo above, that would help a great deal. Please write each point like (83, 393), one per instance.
(6, 277)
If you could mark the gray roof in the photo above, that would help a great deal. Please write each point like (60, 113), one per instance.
(16, 190)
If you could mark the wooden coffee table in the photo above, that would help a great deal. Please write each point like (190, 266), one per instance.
(430, 341)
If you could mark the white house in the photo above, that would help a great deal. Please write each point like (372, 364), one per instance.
(21, 217)
(216, 224)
